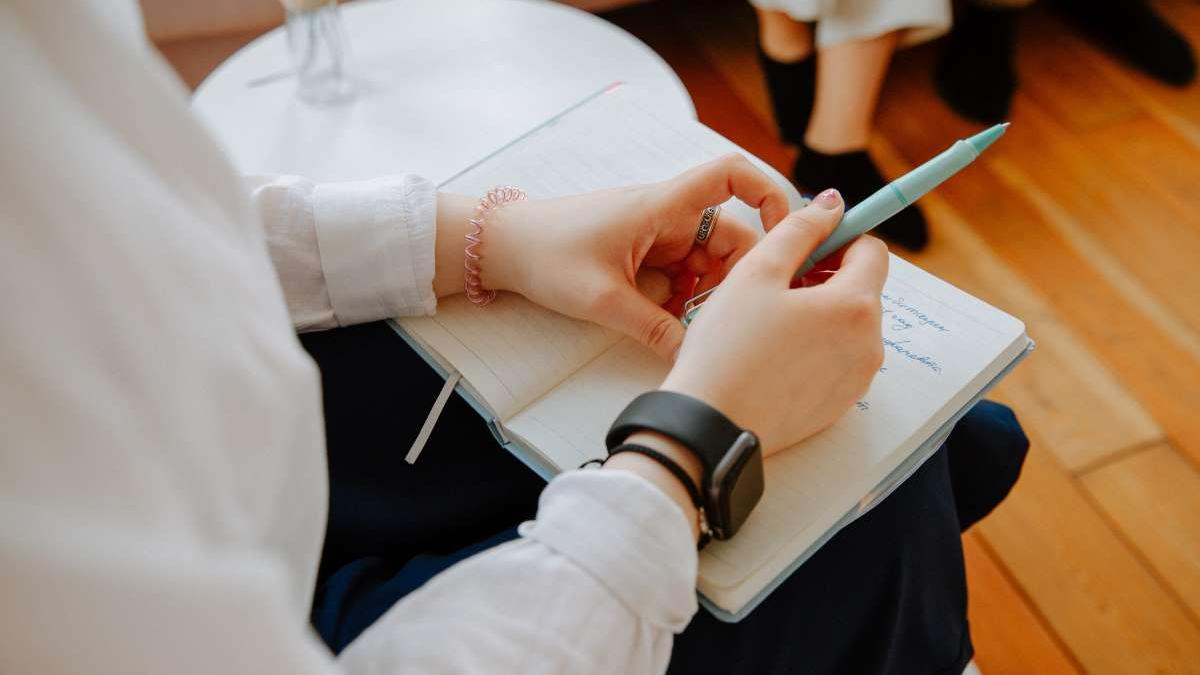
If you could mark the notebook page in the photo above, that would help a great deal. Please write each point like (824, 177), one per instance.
(605, 142)
(941, 347)
(513, 352)
(567, 425)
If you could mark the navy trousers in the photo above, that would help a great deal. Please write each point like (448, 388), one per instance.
(886, 595)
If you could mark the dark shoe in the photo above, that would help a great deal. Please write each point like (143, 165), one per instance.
(856, 177)
(977, 76)
(793, 86)
(1132, 31)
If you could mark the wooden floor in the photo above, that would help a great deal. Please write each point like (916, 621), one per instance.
(1085, 222)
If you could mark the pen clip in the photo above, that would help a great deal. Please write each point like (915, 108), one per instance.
(691, 307)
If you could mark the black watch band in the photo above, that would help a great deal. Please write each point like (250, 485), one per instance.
(691, 422)
(681, 475)
(732, 480)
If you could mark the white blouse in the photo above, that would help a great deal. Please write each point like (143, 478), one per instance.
(162, 460)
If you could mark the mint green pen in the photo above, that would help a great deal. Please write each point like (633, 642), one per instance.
(888, 201)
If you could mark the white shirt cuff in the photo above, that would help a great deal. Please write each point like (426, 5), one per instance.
(628, 535)
(377, 240)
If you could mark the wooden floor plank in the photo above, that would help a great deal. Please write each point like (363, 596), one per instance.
(1076, 234)
(1166, 166)
(1107, 608)
(1149, 227)
(1010, 638)
(1069, 88)
(1154, 498)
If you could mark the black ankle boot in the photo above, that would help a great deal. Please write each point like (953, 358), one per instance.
(793, 87)
(1132, 31)
(976, 75)
(856, 177)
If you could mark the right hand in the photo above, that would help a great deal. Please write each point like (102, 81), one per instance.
(787, 362)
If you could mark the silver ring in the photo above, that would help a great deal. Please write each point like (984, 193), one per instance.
(708, 221)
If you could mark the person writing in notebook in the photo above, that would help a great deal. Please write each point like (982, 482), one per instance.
(163, 462)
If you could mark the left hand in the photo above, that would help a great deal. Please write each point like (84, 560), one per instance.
(581, 255)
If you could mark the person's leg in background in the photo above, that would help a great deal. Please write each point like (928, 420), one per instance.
(824, 79)
(976, 75)
(1133, 31)
(834, 150)
(787, 54)
(886, 595)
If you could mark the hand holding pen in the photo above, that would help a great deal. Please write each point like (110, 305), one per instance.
(886, 202)
(763, 350)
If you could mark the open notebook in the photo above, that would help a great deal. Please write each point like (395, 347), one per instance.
(549, 385)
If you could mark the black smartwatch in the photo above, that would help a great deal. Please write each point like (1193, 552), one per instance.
(732, 482)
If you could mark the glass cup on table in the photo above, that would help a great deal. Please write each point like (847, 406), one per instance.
(320, 51)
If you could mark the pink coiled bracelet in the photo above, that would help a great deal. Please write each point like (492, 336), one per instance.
(494, 199)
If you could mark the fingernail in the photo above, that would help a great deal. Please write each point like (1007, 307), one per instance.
(829, 199)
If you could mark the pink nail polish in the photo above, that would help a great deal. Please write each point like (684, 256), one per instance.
(829, 199)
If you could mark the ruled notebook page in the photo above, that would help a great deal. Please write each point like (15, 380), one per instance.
(941, 347)
(511, 352)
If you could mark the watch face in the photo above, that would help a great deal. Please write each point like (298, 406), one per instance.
(745, 491)
(738, 485)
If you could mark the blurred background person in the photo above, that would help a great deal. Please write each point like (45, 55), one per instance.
(825, 61)
(976, 75)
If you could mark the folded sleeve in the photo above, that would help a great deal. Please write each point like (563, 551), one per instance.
(353, 252)
(599, 583)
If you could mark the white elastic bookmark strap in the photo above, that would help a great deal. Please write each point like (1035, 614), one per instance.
(434, 413)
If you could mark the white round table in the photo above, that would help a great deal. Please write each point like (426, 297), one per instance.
(443, 83)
